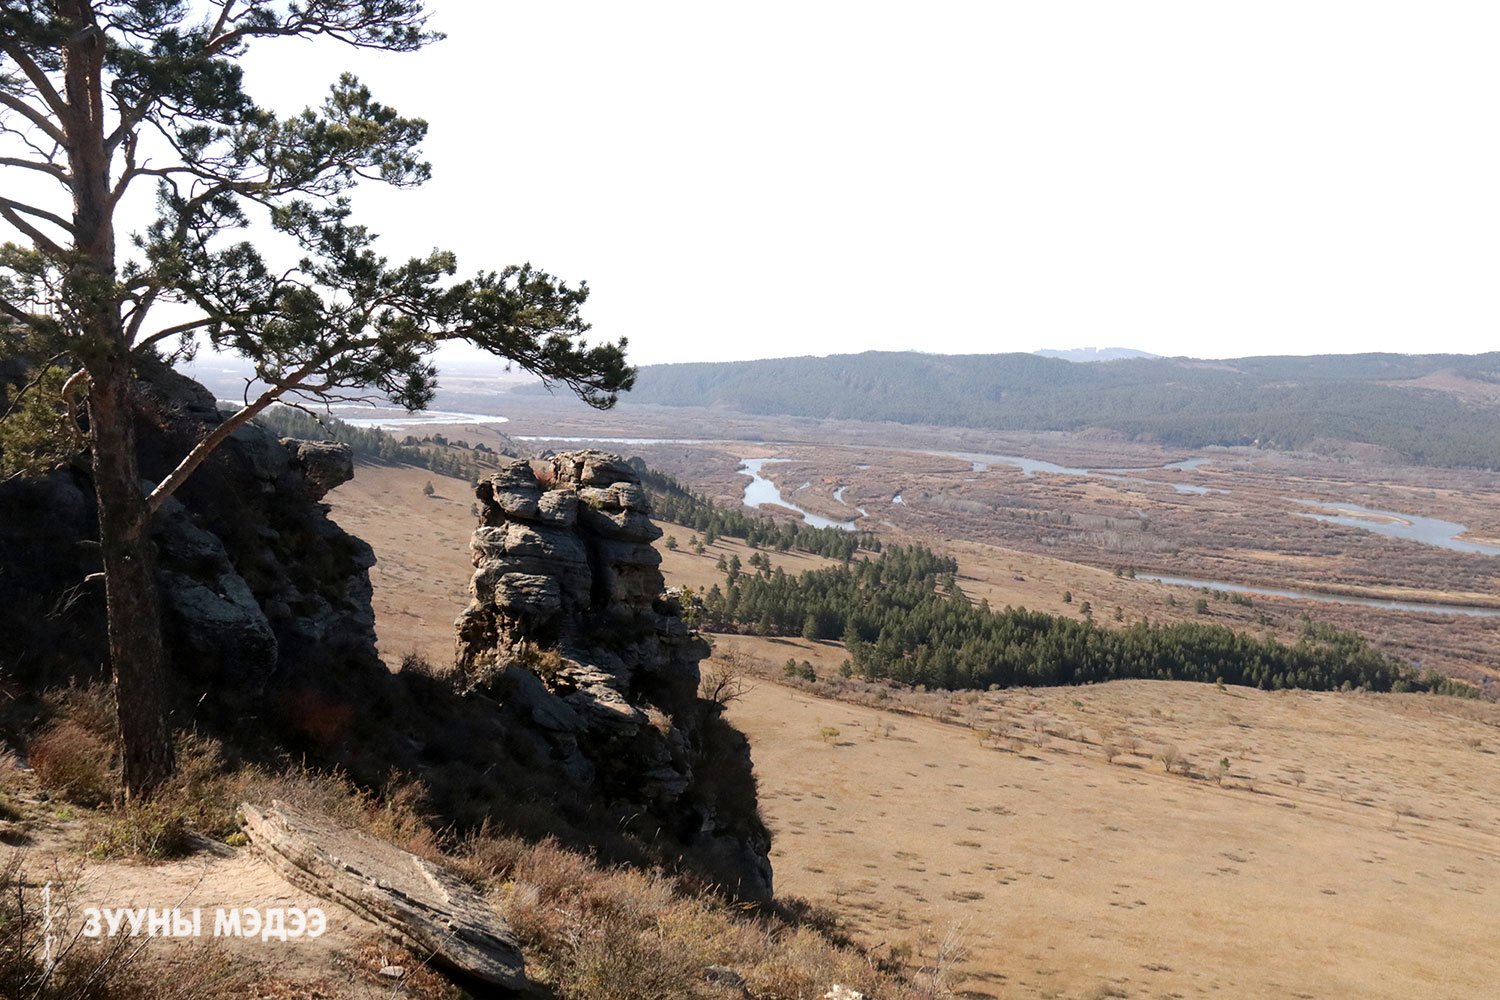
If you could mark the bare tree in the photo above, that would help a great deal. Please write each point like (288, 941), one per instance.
(722, 681)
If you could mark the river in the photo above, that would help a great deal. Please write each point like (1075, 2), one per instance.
(387, 417)
(1393, 524)
(1303, 595)
(761, 491)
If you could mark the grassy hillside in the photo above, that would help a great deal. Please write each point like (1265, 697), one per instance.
(988, 842)
(1282, 855)
(1430, 409)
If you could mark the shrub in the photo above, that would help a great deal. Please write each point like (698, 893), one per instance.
(92, 706)
(413, 662)
(722, 681)
(74, 763)
(10, 786)
(618, 958)
(483, 856)
(154, 830)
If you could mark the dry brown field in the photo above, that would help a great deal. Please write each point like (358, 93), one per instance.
(1349, 848)
(1350, 851)
(422, 567)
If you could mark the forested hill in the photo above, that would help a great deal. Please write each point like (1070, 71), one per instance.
(1430, 409)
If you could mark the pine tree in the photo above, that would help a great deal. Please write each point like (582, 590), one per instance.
(105, 96)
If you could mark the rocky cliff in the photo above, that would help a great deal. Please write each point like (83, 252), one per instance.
(579, 716)
(260, 590)
(571, 627)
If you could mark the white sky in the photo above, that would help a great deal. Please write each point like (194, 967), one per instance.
(777, 178)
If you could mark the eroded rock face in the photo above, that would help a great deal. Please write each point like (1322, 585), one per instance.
(569, 624)
(323, 464)
(257, 495)
(259, 588)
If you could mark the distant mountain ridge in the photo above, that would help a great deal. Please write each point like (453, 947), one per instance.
(1429, 409)
(1090, 354)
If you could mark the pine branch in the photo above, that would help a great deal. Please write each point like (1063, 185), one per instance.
(32, 115)
(11, 212)
(39, 80)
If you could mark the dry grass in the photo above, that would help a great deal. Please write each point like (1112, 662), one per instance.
(590, 931)
(627, 934)
(73, 763)
(202, 799)
(1293, 870)
(12, 783)
(109, 969)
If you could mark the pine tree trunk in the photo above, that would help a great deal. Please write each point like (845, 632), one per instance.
(135, 646)
(134, 612)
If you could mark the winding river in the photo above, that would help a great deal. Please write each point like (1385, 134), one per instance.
(1304, 595)
(1393, 524)
(761, 491)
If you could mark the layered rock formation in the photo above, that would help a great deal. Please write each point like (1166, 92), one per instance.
(598, 734)
(257, 583)
(425, 907)
(570, 625)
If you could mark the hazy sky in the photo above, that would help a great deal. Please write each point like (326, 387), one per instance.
(756, 180)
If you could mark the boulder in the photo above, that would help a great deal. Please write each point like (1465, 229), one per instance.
(526, 690)
(628, 525)
(323, 465)
(528, 594)
(424, 907)
(837, 992)
(219, 628)
(592, 468)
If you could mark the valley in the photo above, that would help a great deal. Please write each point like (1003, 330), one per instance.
(670, 539)
(1400, 553)
(1031, 842)
(1347, 832)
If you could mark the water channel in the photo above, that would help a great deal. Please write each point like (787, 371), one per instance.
(388, 417)
(1393, 524)
(1304, 595)
(760, 491)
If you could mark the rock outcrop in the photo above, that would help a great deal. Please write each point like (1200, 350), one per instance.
(580, 716)
(414, 901)
(259, 588)
(569, 624)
